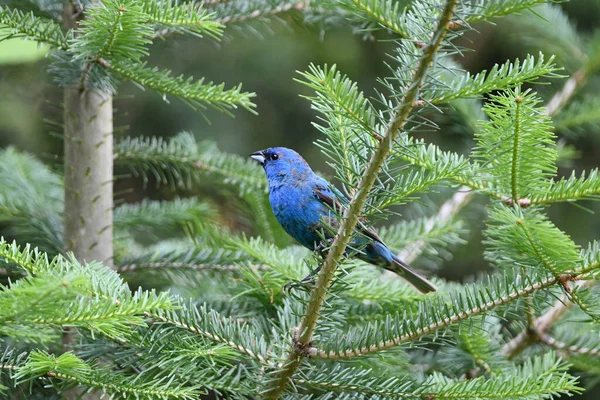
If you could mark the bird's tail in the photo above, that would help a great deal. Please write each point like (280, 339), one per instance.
(411, 276)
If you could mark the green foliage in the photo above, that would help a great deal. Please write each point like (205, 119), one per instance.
(111, 42)
(516, 146)
(31, 197)
(435, 235)
(572, 188)
(67, 370)
(117, 31)
(527, 237)
(196, 93)
(15, 23)
(180, 160)
(435, 315)
(63, 292)
(557, 36)
(540, 375)
(163, 218)
(182, 18)
(507, 75)
(579, 115)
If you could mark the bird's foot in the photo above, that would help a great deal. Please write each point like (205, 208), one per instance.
(323, 246)
(308, 281)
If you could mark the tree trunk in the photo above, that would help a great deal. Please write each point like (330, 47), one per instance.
(88, 169)
(88, 127)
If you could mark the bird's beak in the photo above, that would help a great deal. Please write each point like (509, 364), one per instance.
(259, 156)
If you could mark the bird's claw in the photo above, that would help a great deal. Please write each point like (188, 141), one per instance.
(323, 245)
(308, 281)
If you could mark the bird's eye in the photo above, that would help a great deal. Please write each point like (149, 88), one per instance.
(274, 156)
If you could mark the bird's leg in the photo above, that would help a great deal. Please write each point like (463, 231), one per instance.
(310, 277)
(322, 246)
(309, 280)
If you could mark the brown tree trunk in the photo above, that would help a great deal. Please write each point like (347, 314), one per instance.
(88, 127)
(88, 170)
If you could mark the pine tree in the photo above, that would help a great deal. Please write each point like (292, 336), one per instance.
(226, 327)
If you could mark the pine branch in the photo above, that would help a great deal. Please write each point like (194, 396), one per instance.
(506, 76)
(579, 115)
(31, 201)
(526, 237)
(62, 292)
(209, 324)
(15, 23)
(390, 15)
(516, 146)
(163, 258)
(433, 316)
(542, 324)
(73, 371)
(540, 376)
(257, 10)
(195, 93)
(357, 202)
(180, 161)
(116, 31)
(569, 349)
(182, 18)
(572, 188)
(474, 11)
(167, 218)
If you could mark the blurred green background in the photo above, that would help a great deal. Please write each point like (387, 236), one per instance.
(266, 58)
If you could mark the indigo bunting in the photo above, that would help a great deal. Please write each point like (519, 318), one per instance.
(305, 205)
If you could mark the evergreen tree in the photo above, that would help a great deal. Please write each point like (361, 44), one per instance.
(226, 327)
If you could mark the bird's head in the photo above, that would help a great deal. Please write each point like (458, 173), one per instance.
(280, 163)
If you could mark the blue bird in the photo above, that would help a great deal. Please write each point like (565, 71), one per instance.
(303, 204)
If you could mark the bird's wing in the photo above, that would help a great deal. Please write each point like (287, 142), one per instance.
(329, 196)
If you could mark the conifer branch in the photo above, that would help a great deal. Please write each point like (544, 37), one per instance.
(129, 268)
(72, 371)
(350, 217)
(197, 94)
(235, 19)
(552, 108)
(218, 325)
(539, 377)
(210, 336)
(569, 349)
(182, 17)
(31, 27)
(446, 322)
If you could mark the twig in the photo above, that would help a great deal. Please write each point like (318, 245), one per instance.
(571, 86)
(540, 326)
(562, 346)
(450, 208)
(302, 343)
(263, 13)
